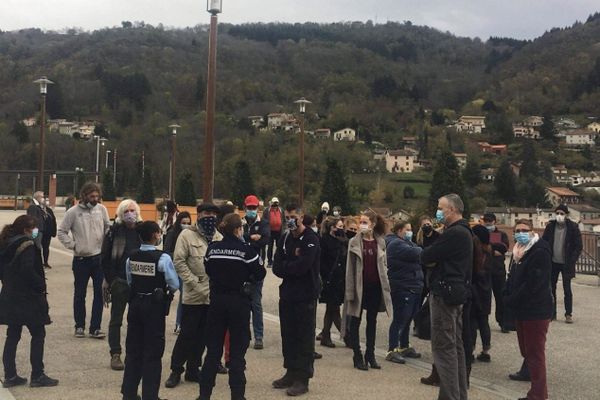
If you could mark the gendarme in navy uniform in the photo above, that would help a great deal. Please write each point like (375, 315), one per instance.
(150, 274)
(233, 268)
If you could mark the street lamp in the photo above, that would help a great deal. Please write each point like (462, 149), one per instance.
(98, 140)
(172, 166)
(214, 7)
(302, 104)
(106, 158)
(43, 82)
(76, 179)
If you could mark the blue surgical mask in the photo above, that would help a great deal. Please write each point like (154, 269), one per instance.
(251, 214)
(35, 233)
(439, 216)
(522, 238)
(408, 235)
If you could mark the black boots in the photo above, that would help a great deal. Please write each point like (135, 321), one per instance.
(173, 380)
(433, 379)
(522, 375)
(299, 388)
(284, 382)
(359, 362)
(371, 361)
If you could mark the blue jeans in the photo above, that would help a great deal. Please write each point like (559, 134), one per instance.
(406, 304)
(85, 268)
(257, 312)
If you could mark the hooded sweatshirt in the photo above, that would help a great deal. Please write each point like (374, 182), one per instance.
(87, 226)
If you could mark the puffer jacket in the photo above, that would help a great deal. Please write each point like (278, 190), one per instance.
(189, 263)
(403, 267)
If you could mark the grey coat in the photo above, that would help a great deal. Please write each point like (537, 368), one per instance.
(354, 277)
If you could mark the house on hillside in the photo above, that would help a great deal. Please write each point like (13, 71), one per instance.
(497, 149)
(29, 122)
(400, 161)
(345, 135)
(533, 121)
(566, 123)
(579, 212)
(461, 158)
(256, 121)
(581, 137)
(410, 142)
(561, 195)
(323, 133)
(525, 132)
(470, 124)
(594, 126)
(401, 215)
(67, 128)
(561, 174)
(488, 174)
(282, 121)
(509, 215)
(384, 211)
(53, 124)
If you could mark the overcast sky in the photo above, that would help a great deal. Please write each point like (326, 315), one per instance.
(523, 19)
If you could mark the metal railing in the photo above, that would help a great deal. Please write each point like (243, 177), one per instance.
(589, 260)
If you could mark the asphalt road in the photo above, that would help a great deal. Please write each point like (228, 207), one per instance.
(82, 365)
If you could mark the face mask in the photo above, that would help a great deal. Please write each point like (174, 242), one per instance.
(491, 228)
(46, 201)
(185, 226)
(522, 238)
(315, 229)
(292, 224)
(35, 233)
(91, 204)
(560, 219)
(339, 232)
(364, 228)
(408, 236)
(427, 229)
(130, 217)
(208, 226)
(159, 241)
(251, 214)
(439, 215)
(350, 234)
(336, 213)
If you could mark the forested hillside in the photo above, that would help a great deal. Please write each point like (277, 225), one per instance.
(383, 80)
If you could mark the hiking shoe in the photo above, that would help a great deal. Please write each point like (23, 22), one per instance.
(409, 352)
(97, 334)
(395, 357)
(317, 356)
(568, 319)
(297, 389)
(79, 333)
(173, 380)
(14, 381)
(284, 382)
(484, 357)
(115, 362)
(326, 342)
(258, 344)
(176, 330)
(43, 381)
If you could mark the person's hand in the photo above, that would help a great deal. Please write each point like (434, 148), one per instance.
(297, 252)
(106, 293)
(255, 237)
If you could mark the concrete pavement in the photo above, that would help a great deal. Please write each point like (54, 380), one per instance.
(82, 365)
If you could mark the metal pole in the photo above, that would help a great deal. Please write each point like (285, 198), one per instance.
(41, 156)
(97, 156)
(17, 190)
(301, 169)
(172, 168)
(143, 164)
(107, 152)
(115, 169)
(209, 148)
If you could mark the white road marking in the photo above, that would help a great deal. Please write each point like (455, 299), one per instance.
(5, 394)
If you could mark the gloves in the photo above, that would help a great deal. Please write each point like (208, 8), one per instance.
(105, 293)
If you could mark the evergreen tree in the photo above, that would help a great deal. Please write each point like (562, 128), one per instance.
(185, 193)
(146, 190)
(409, 192)
(446, 179)
(55, 104)
(529, 167)
(242, 182)
(505, 183)
(472, 172)
(548, 130)
(108, 189)
(498, 125)
(335, 187)
(20, 131)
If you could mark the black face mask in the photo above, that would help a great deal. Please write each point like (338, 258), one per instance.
(340, 232)
(350, 234)
(427, 229)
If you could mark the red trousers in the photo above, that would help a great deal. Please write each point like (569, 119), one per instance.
(532, 343)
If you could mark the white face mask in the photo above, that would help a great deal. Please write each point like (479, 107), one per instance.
(315, 229)
(560, 218)
(364, 228)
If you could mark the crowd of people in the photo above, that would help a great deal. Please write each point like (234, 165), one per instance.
(440, 275)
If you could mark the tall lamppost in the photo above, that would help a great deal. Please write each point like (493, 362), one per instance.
(302, 103)
(115, 169)
(214, 7)
(43, 82)
(107, 154)
(172, 166)
(98, 140)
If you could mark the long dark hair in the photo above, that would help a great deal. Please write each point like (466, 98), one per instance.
(18, 227)
(181, 216)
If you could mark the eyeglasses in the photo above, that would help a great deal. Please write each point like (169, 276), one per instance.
(522, 230)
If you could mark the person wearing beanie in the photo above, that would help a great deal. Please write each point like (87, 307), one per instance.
(323, 213)
(257, 233)
(481, 289)
(564, 238)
